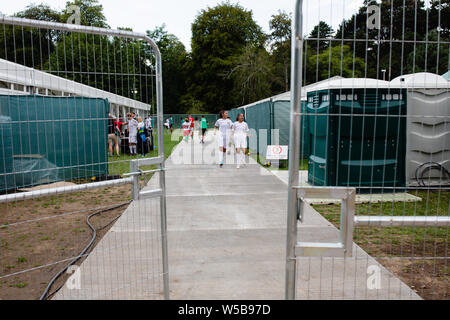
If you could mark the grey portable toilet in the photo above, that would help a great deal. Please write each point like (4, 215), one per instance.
(428, 128)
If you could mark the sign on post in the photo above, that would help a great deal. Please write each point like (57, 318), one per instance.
(277, 153)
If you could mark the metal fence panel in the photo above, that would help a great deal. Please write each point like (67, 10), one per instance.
(75, 222)
(381, 129)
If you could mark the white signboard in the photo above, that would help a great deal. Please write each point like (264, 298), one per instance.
(277, 153)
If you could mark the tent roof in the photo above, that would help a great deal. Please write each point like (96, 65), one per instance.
(420, 80)
(446, 76)
(16, 73)
(353, 83)
(286, 96)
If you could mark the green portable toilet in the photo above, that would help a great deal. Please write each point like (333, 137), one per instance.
(357, 132)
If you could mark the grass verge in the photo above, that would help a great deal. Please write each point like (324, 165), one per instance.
(418, 256)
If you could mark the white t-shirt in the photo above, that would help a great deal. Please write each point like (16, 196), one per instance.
(240, 128)
(186, 126)
(132, 127)
(148, 123)
(224, 125)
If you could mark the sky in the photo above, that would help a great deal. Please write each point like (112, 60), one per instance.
(178, 15)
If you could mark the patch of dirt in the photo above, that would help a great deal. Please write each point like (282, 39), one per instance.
(411, 260)
(427, 278)
(418, 256)
(39, 237)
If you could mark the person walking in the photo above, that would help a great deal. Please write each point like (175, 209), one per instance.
(132, 134)
(186, 129)
(197, 126)
(142, 137)
(192, 127)
(239, 134)
(204, 127)
(113, 137)
(171, 124)
(148, 123)
(225, 126)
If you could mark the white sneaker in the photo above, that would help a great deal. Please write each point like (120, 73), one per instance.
(238, 167)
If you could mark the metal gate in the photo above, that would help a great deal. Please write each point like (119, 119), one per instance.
(63, 86)
(369, 218)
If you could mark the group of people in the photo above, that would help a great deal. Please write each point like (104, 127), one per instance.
(169, 124)
(138, 131)
(225, 129)
(190, 125)
(228, 132)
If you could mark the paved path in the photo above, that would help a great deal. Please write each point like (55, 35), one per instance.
(226, 230)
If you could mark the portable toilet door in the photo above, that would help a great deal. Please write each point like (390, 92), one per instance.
(357, 136)
(321, 136)
(371, 136)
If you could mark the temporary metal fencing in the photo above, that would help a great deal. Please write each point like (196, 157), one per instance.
(61, 192)
(380, 131)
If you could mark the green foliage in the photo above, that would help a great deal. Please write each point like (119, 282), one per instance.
(91, 13)
(428, 58)
(321, 31)
(219, 36)
(252, 75)
(24, 45)
(337, 61)
(174, 59)
(232, 62)
(386, 54)
(280, 27)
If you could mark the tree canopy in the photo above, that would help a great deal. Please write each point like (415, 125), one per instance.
(232, 61)
(219, 36)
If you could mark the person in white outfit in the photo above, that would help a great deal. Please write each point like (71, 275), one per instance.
(224, 137)
(132, 134)
(239, 134)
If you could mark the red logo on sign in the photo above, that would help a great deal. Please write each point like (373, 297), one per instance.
(277, 150)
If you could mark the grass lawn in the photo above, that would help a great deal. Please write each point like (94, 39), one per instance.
(428, 272)
(120, 166)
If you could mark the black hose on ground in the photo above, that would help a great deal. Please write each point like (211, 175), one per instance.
(46, 294)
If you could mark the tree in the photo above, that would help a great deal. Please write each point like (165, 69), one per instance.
(91, 13)
(219, 36)
(400, 20)
(439, 13)
(319, 33)
(280, 27)
(174, 58)
(29, 46)
(338, 61)
(252, 75)
(428, 58)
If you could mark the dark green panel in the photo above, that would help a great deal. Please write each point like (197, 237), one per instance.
(259, 118)
(53, 139)
(361, 142)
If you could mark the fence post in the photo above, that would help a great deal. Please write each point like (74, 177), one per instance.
(134, 167)
(294, 149)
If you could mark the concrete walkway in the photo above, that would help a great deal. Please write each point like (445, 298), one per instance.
(226, 230)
